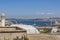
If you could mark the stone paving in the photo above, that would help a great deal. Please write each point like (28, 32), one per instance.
(44, 37)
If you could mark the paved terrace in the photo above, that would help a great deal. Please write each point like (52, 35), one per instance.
(43, 37)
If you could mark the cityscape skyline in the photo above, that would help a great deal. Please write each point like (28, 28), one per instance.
(30, 8)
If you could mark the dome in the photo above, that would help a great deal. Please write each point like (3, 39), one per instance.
(30, 29)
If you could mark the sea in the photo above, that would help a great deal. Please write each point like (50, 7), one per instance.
(35, 22)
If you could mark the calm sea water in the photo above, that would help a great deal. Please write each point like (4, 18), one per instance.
(32, 22)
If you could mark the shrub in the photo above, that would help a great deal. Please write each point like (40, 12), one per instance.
(26, 38)
(45, 30)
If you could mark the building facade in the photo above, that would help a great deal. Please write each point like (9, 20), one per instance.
(12, 33)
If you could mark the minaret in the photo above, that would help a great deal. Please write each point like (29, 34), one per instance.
(3, 19)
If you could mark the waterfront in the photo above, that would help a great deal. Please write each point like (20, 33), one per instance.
(31, 22)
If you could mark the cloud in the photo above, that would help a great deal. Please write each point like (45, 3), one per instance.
(46, 13)
(49, 13)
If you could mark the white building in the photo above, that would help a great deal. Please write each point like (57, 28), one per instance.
(29, 28)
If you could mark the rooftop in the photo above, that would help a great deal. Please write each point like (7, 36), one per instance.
(11, 29)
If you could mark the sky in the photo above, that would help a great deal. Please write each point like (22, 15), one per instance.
(30, 8)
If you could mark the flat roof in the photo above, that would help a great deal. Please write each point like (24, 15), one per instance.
(14, 31)
(8, 27)
(18, 30)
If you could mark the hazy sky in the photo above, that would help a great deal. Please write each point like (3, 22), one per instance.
(30, 8)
